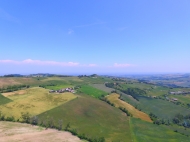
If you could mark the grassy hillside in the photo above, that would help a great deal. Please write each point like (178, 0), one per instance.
(114, 98)
(33, 100)
(89, 90)
(148, 132)
(4, 100)
(98, 80)
(92, 117)
(10, 81)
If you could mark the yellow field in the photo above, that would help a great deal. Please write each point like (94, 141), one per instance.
(62, 79)
(114, 98)
(7, 82)
(33, 100)
(10, 81)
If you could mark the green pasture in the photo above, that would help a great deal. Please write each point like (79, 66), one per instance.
(92, 117)
(151, 90)
(89, 90)
(98, 80)
(181, 98)
(161, 108)
(58, 87)
(4, 100)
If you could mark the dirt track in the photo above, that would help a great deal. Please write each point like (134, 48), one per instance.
(17, 132)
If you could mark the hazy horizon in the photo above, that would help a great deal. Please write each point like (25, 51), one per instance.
(103, 37)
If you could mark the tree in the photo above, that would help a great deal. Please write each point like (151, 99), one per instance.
(25, 117)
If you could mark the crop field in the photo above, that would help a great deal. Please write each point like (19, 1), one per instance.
(64, 79)
(92, 117)
(114, 98)
(10, 81)
(33, 100)
(143, 131)
(102, 87)
(89, 90)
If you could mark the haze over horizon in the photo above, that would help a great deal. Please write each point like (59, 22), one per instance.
(103, 37)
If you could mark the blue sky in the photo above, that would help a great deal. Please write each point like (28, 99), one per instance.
(94, 36)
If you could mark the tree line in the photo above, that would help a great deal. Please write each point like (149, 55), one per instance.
(13, 88)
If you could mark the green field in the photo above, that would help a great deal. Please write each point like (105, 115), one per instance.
(92, 117)
(58, 87)
(102, 87)
(89, 90)
(98, 80)
(4, 100)
(161, 108)
(181, 98)
(143, 131)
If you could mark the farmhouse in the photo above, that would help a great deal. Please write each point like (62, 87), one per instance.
(62, 90)
(179, 92)
(174, 99)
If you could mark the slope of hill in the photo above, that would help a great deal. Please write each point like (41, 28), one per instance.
(114, 98)
(33, 100)
(92, 117)
(148, 132)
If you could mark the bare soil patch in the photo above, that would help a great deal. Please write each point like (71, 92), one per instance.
(14, 132)
(20, 92)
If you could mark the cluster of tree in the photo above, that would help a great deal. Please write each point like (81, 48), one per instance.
(44, 86)
(110, 85)
(80, 76)
(188, 105)
(134, 92)
(93, 75)
(106, 100)
(118, 79)
(182, 120)
(13, 75)
(158, 121)
(13, 88)
(83, 136)
(125, 111)
(8, 118)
